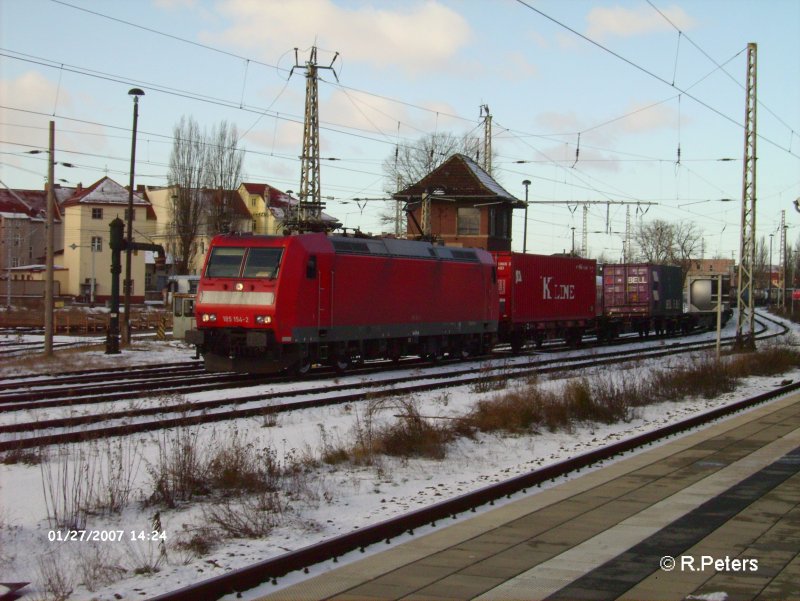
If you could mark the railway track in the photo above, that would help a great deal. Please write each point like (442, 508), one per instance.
(43, 432)
(270, 570)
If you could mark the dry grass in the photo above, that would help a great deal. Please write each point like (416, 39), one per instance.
(408, 434)
(530, 408)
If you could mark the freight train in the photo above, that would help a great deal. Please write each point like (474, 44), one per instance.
(271, 303)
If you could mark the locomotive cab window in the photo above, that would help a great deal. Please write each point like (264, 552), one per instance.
(225, 262)
(262, 263)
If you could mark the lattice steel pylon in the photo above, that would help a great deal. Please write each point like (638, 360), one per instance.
(745, 331)
(307, 216)
(487, 138)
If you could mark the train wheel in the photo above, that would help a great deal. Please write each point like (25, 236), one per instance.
(301, 368)
(340, 364)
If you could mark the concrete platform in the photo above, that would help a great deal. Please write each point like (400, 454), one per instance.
(716, 511)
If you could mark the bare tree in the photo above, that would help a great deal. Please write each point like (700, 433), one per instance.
(669, 243)
(656, 240)
(205, 171)
(223, 170)
(410, 163)
(186, 165)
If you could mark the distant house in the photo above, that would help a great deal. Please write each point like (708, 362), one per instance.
(467, 206)
(23, 214)
(711, 266)
(269, 206)
(23, 242)
(87, 217)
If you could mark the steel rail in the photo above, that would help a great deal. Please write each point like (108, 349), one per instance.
(201, 416)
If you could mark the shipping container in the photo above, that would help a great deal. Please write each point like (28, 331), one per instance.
(544, 297)
(642, 290)
(702, 296)
(642, 297)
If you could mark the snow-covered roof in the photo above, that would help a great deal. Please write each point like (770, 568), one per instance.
(104, 191)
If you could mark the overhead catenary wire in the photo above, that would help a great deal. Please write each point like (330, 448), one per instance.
(651, 74)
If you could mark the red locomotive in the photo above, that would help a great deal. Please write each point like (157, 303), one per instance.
(267, 303)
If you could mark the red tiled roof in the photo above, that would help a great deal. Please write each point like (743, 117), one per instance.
(32, 203)
(274, 197)
(255, 188)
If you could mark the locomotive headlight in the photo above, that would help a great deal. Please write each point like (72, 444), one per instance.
(209, 317)
(263, 319)
(239, 286)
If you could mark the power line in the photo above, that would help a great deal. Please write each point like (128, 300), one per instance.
(651, 74)
(721, 67)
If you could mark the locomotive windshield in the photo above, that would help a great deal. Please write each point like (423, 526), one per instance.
(262, 263)
(234, 262)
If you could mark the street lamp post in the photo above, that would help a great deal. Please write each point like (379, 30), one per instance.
(526, 183)
(126, 335)
(50, 246)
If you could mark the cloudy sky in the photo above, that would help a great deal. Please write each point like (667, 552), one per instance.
(626, 82)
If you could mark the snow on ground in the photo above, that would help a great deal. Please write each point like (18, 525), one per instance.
(326, 501)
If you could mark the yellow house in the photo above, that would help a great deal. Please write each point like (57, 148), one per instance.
(87, 215)
(213, 202)
(268, 207)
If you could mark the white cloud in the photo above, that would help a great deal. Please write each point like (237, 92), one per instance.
(40, 97)
(645, 118)
(605, 22)
(419, 37)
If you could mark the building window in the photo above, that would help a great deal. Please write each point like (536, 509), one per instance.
(499, 222)
(15, 262)
(254, 226)
(97, 244)
(469, 221)
(252, 201)
(97, 213)
(132, 218)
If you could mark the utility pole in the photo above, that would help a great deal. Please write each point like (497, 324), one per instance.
(50, 243)
(487, 138)
(585, 204)
(745, 322)
(308, 215)
(782, 298)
